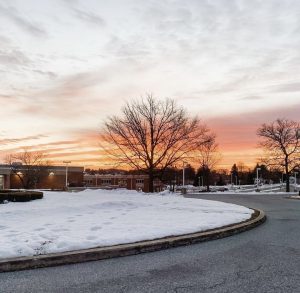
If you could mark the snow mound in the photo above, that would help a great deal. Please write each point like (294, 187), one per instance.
(70, 221)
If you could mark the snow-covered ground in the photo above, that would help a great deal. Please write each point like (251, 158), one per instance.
(70, 221)
(252, 189)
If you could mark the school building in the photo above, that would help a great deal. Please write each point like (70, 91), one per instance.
(132, 182)
(50, 177)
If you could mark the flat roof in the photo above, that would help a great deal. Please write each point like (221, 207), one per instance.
(119, 176)
(6, 169)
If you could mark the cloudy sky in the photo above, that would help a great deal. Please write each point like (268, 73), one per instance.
(66, 65)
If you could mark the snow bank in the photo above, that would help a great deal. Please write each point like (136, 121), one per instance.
(70, 221)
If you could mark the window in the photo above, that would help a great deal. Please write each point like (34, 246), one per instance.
(105, 181)
(139, 181)
(1, 182)
(122, 182)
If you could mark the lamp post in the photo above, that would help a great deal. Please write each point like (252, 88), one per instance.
(67, 163)
(175, 177)
(257, 169)
(295, 175)
(183, 171)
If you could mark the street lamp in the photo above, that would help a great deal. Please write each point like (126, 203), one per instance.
(183, 171)
(257, 169)
(175, 179)
(67, 163)
(295, 175)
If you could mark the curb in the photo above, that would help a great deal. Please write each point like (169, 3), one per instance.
(243, 193)
(291, 197)
(99, 253)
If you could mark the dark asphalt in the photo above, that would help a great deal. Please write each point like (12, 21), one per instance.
(265, 259)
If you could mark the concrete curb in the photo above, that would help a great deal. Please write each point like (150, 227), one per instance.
(98, 253)
(243, 193)
(294, 198)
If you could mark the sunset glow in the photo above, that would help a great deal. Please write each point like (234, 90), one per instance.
(66, 65)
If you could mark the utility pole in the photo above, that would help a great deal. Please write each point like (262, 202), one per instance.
(295, 174)
(183, 171)
(257, 176)
(67, 163)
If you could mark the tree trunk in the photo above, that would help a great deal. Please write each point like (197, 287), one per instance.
(151, 179)
(287, 175)
(287, 182)
(207, 180)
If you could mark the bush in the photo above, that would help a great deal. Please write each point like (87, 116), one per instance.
(19, 196)
(3, 197)
(5, 190)
(36, 195)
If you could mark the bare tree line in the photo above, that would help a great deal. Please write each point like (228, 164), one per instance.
(281, 143)
(153, 135)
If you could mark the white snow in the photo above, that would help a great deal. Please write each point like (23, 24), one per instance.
(64, 221)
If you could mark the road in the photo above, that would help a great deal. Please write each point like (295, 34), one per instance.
(265, 259)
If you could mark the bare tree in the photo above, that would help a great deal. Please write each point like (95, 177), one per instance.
(208, 156)
(29, 166)
(152, 135)
(281, 142)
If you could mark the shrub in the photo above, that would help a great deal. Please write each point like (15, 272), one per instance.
(3, 197)
(36, 195)
(19, 196)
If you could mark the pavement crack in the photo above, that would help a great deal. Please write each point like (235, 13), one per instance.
(180, 289)
(242, 274)
(207, 287)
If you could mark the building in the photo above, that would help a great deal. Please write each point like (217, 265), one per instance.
(132, 182)
(50, 177)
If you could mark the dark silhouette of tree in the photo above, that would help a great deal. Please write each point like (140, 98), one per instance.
(170, 177)
(281, 143)
(220, 181)
(151, 135)
(189, 174)
(263, 174)
(234, 173)
(243, 171)
(208, 156)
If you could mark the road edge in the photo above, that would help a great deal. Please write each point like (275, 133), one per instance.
(100, 253)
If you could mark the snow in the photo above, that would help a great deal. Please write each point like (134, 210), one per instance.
(64, 221)
(265, 189)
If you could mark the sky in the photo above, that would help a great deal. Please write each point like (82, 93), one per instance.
(66, 65)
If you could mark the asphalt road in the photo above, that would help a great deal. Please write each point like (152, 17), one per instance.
(265, 259)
